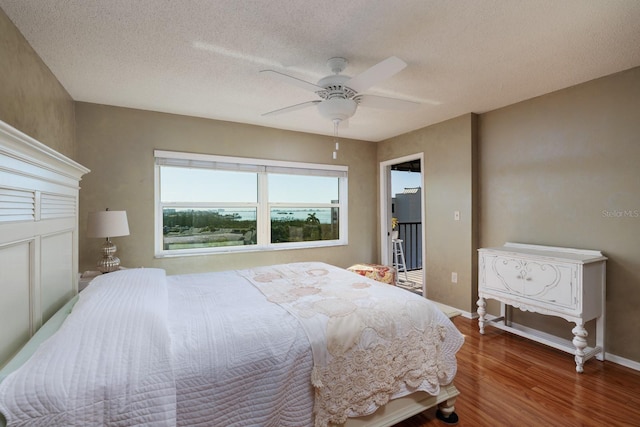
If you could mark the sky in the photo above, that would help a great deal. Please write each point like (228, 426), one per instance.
(202, 185)
(401, 180)
(195, 184)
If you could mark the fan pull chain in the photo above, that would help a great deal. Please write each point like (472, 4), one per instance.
(335, 138)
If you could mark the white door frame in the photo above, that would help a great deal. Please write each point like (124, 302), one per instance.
(385, 211)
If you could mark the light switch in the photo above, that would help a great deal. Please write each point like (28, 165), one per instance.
(456, 215)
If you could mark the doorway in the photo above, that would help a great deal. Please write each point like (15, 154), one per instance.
(402, 197)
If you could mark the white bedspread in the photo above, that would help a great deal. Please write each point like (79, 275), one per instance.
(109, 364)
(239, 360)
(209, 349)
(192, 350)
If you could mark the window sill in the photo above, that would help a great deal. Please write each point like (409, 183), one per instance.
(252, 248)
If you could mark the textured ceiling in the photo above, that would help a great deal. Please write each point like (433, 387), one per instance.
(202, 57)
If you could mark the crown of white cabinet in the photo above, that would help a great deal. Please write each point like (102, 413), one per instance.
(564, 282)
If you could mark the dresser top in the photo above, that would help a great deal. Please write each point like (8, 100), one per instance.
(582, 256)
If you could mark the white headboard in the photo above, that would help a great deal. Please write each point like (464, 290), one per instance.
(38, 235)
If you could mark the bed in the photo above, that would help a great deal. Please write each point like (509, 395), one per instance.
(286, 345)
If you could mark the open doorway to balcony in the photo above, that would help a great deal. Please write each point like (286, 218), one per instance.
(401, 193)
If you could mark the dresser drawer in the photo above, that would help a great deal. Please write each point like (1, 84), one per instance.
(531, 281)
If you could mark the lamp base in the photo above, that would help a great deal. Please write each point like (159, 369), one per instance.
(109, 261)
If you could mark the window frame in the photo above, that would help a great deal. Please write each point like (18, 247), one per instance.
(262, 167)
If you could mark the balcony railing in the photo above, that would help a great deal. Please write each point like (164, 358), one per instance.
(411, 235)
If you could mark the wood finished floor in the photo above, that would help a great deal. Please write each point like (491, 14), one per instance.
(506, 380)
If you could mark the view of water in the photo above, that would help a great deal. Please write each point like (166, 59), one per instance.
(323, 214)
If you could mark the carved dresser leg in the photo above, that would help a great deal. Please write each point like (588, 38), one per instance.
(481, 312)
(580, 342)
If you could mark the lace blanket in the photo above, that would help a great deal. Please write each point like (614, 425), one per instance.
(370, 341)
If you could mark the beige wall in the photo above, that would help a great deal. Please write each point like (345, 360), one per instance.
(562, 169)
(554, 170)
(449, 185)
(117, 145)
(31, 98)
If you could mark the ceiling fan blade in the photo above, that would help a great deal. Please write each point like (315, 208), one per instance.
(375, 101)
(292, 108)
(292, 80)
(379, 72)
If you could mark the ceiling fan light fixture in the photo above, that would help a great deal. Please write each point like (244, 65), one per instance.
(340, 95)
(337, 109)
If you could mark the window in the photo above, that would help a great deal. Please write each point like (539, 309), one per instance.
(210, 204)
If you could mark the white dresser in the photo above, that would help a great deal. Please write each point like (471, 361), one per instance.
(563, 282)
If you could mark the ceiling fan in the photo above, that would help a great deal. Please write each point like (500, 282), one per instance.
(340, 94)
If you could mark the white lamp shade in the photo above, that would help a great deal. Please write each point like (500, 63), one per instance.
(107, 224)
(337, 108)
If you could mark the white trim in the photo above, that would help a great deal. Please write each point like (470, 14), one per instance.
(596, 254)
(631, 364)
(264, 233)
(246, 161)
(468, 315)
(385, 211)
(50, 163)
(251, 248)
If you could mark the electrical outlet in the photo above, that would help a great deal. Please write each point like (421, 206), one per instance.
(454, 277)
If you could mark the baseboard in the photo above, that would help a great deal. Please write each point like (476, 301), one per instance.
(468, 315)
(628, 363)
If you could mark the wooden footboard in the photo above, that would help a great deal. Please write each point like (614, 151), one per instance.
(408, 406)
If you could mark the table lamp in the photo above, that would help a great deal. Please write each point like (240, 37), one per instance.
(108, 224)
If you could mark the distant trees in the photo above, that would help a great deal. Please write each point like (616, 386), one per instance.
(287, 229)
(177, 221)
(312, 219)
